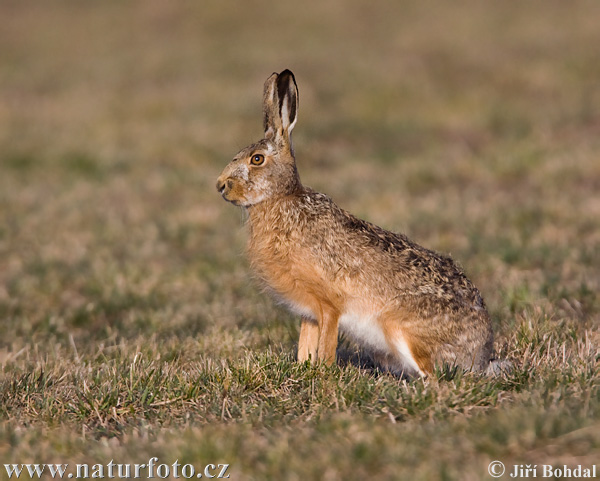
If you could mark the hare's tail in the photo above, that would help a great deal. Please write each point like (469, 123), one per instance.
(497, 367)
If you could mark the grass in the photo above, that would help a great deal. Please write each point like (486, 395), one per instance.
(130, 323)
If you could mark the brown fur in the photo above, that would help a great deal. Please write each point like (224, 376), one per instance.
(410, 306)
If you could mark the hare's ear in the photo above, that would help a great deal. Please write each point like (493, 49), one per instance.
(271, 119)
(287, 91)
(280, 105)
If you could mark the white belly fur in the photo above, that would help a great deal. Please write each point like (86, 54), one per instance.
(365, 330)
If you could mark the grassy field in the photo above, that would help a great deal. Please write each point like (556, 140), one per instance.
(130, 326)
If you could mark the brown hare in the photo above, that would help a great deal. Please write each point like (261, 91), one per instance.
(410, 307)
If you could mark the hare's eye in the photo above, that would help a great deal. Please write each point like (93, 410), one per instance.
(257, 159)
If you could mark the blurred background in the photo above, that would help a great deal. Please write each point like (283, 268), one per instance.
(473, 127)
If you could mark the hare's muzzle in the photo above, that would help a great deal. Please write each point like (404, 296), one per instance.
(221, 186)
(224, 186)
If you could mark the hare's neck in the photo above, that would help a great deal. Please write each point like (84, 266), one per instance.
(269, 211)
(274, 215)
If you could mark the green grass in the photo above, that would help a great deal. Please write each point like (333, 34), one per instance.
(130, 323)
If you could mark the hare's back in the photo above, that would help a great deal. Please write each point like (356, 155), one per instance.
(374, 260)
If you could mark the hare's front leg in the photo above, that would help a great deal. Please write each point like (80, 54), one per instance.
(328, 335)
(309, 340)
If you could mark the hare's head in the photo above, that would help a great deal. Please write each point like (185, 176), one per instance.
(267, 168)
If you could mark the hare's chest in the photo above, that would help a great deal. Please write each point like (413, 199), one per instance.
(295, 281)
(303, 290)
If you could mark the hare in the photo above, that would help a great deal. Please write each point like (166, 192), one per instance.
(411, 308)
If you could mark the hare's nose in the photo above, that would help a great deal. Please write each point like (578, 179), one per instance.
(220, 186)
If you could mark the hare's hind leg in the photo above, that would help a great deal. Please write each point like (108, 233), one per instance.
(471, 348)
(416, 351)
(309, 340)
(411, 355)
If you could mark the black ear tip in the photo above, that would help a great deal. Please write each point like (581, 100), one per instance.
(287, 73)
